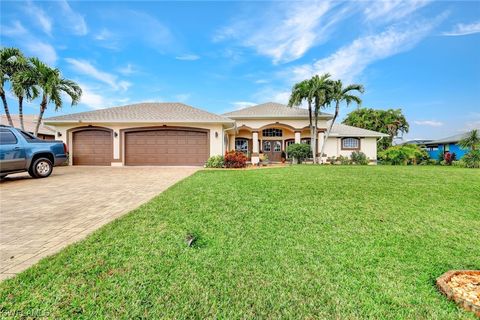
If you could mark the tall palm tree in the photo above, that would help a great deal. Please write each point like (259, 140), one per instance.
(471, 141)
(51, 85)
(302, 92)
(23, 86)
(321, 93)
(8, 66)
(339, 94)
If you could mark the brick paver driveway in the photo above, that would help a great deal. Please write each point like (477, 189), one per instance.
(38, 217)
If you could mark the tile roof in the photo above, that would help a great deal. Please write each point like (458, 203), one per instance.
(342, 130)
(29, 122)
(271, 110)
(144, 112)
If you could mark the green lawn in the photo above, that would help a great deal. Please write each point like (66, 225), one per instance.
(340, 242)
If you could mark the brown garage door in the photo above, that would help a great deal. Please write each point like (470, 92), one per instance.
(166, 147)
(92, 147)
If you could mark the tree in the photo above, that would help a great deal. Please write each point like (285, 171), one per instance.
(338, 94)
(51, 85)
(23, 86)
(8, 67)
(302, 92)
(321, 93)
(391, 122)
(471, 141)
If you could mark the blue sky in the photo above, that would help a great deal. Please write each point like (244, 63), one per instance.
(421, 56)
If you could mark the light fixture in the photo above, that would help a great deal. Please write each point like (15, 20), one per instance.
(216, 134)
(116, 134)
(59, 134)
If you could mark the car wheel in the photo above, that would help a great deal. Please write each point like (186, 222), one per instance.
(41, 168)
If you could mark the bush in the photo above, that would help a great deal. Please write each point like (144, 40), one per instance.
(215, 162)
(472, 159)
(235, 159)
(299, 151)
(344, 160)
(459, 163)
(359, 157)
(403, 155)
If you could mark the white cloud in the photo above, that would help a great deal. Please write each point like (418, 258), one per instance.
(127, 70)
(188, 57)
(430, 123)
(40, 17)
(287, 31)
(95, 98)
(389, 10)
(261, 81)
(14, 30)
(462, 29)
(243, 104)
(349, 61)
(75, 21)
(86, 68)
(182, 97)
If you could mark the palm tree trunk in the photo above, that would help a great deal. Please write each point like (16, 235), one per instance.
(312, 133)
(43, 107)
(20, 111)
(329, 130)
(5, 106)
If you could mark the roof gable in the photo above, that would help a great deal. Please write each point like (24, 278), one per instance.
(144, 112)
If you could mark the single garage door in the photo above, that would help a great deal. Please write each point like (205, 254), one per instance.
(166, 147)
(92, 147)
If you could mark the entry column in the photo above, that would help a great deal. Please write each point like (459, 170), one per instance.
(255, 147)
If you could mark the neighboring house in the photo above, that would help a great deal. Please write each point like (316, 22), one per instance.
(448, 144)
(177, 134)
(29, 122)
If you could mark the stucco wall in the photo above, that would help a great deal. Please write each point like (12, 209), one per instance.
(216, 140)
(367, 146)
(295, 123)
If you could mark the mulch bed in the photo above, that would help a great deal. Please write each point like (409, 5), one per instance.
(463, 287)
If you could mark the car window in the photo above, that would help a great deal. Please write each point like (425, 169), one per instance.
(29, 137)
(7, 137)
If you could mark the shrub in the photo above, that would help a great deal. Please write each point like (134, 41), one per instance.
(472, 159)
(459, 163)
(403, 155)
(359, 157)
(235, 159)
(215, 162)
(343, 160)
(448, 157)
(299, 151)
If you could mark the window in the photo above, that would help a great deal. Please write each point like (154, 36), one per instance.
(241, 145)
(350, 143)
(277, 146)
(7, 137)
(267, 146)
(272, 132)
(306, 141)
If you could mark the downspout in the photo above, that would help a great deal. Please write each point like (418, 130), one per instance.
(223, 135)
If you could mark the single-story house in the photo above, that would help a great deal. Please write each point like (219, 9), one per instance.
(29, 123)
(448, 144)
(178, 134)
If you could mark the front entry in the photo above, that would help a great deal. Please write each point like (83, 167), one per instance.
(273, 150)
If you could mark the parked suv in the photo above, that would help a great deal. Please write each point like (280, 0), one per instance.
(20, 151)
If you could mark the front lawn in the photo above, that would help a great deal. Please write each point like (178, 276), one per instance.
(339, 242)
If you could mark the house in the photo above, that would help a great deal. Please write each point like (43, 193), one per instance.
(448, 144)
(178, 134)
(29, 123)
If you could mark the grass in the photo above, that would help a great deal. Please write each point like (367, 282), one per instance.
(340, 242)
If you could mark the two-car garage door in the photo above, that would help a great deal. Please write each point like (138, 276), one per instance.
(166, 147)
(169, 146)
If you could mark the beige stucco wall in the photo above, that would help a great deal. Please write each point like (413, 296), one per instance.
(295, 123)
(216, 135)
(367, 146)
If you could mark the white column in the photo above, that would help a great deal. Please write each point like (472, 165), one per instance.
(116, 149)
(231, 142)
(320, 142)
(297, 137)
(255, 147)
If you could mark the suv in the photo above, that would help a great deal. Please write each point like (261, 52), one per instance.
(20, 151)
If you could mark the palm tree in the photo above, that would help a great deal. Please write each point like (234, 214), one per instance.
(301, 92)
(8, 67)
(52, 85)
(471, 141)
(339, 94)
(23, 86)
(321, 93)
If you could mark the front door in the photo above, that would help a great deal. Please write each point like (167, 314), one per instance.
(273, 150)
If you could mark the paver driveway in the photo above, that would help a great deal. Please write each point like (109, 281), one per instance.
(38, 217)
